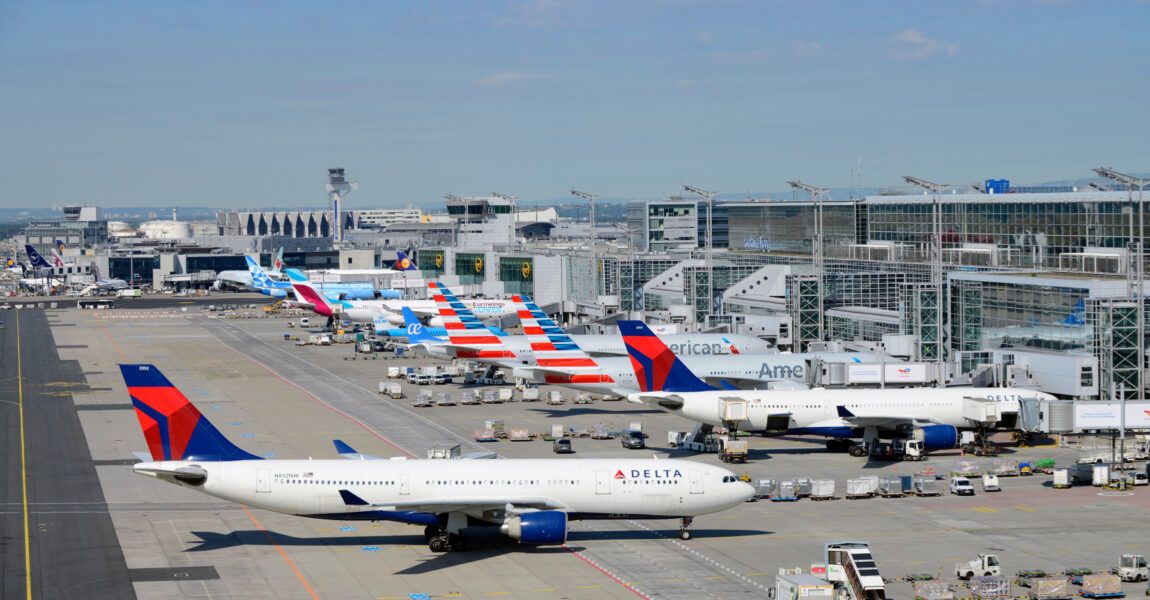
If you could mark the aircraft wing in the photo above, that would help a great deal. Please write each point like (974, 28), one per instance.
(881, 420)
(662, 400)
(522, 503)
(187, 473)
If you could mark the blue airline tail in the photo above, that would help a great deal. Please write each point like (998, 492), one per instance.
(34, 257)
(657, 369)
(416, 332)
(173, 427)
(261, 279)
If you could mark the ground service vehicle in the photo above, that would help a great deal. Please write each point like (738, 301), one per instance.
(961, 486)
(1132, 567)
(985, 565)
(990, 483)
(732, 451)
(633, 439)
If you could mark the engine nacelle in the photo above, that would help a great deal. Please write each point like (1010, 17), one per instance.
(547, 527)
(435, 322)
(937, 437)
(393, 319)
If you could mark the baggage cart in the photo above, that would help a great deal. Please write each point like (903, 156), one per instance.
(485, 435)
(1101, 585)
(555, 397)
(423, 399)
(764, 488)
(994, 586)
(519, 434)
(1061, 478)
(443, 451)
(505, 394)
(858, 487)
(531, 394)
(490, 397)
(496, 425)
(444, 399)
(933, 590)
(802, 486)
(784, 492)
(823, 489)
(890, 487)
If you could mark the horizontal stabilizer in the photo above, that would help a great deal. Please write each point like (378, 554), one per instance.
(348, 452)
(351, 499)
(844, 413)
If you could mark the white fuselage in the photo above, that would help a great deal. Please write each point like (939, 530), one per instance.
(367, 310)
(585, 488)
(818, 409)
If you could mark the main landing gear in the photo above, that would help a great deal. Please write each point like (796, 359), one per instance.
(684, 523)
(439, 540)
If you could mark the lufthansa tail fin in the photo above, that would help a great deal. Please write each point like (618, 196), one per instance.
(403, 262)
(173, 427)
(657, 369)
(34, 257)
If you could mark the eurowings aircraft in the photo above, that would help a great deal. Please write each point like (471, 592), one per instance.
(530, 500)
(933, 415)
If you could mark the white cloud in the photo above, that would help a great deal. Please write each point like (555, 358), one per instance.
(504, 78)
(912, 44)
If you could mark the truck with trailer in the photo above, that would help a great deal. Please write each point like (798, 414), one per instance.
(732, 451)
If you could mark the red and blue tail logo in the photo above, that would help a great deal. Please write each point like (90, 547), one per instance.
(173, 427)
(657, 369)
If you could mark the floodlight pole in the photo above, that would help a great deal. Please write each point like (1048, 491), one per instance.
(1139, 265)
(817, 194)
(594, 253)
(936, 271)
(709, 196)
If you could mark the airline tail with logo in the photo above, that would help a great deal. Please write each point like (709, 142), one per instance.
(558, 356)
(403, 262)
(266, 285)
(34, 257)
(468, 336)
(310, 295)
(657, 369)
(173, 427)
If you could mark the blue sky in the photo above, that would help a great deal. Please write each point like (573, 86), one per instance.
(246, 104)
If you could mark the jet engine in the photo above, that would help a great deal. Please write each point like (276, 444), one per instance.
(542, 527)
(936, 437)
(435, 322)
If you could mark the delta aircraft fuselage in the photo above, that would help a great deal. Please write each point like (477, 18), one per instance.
(582, 488)
(816, 411)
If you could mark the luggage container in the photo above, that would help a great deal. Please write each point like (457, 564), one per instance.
(871, 483)
(1061, 478)
(994, 586)
(933, 590)
(424, 398)
(443, 451)
(966, 467)
(490, 397)
(890, 487)
(802, 486)
(927, 486)
(1004, 467)
(784, 492)
(1100, 474)
(555, 397)
(519, 434)
(496, 425)
(858, 487)
(557, 430)
(444, 399)
(1049, 588)
(1101, 585)
(468, 397)
(823, 489)
(764, 488)
(485, 435)
(505, 394)
(531, 394)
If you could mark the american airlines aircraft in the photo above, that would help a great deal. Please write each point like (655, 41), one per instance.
(366, 311)
(932, 415)
(530, 500)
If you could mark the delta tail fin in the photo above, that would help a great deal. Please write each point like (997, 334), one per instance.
(657, 369)
(173, 427)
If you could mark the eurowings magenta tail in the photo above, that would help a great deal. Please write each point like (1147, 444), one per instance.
(465, 329)
(657, 369)
(173, 427)
(309, 294)
(555, 352)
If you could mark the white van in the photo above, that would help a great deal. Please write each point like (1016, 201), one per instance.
(304, 322)
(961, 486)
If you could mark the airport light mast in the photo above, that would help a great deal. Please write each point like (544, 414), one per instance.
(594, 254)
(337, 186)
(817, 194)
(936, 271)
(1138, 294)
(709, 196)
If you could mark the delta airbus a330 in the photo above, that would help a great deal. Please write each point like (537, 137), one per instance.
(530, 500)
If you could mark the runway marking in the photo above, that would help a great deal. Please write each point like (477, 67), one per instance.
(23, 463)
(717, 577)
(496, 593)
(1133, 545)
(109, 336)
(915, 562)
(281, 551)
(605, 572)
(545, 590)
(984, 509)
(309, 394)
(1024, 508)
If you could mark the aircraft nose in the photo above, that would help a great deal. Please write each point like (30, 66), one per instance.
(746, 491)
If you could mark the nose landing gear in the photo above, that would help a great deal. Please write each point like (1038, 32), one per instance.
(684, 523)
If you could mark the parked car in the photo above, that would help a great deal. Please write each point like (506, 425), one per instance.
(961, 486)
(562, 446)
